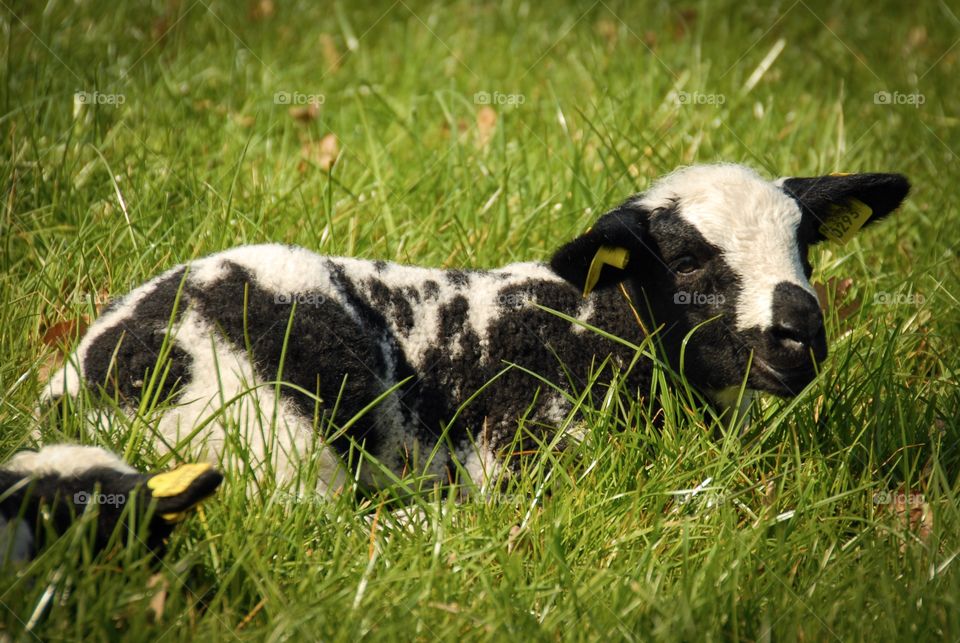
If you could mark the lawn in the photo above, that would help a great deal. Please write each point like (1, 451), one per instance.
(138, 135)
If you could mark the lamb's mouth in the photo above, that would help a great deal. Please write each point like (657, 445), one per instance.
(783, 382)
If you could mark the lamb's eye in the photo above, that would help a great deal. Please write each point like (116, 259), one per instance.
(685, 265)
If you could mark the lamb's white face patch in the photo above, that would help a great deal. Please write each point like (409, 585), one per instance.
(750, 219)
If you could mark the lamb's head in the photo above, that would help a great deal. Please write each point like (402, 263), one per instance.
(62, 482)
(717, 256)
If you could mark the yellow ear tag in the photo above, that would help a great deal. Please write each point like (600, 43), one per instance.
(844, 222)
(840, 174)
(173, 483)
(606, 255)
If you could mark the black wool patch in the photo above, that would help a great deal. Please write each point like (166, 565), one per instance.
(121, 358)
(457, 278)
(431, 289)
(395, 301)
(324, 346)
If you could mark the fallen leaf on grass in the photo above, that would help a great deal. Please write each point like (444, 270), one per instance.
(304, 113)
(907, 508)
(331, 56)
(60, 337)
(62, 334)
(607, 29)
(244, 120)
(486, 124)
(683, 21)
(515, 533)
(159, 599)
(911, 509)
(261, 9)
(840, 288)
(322, 153)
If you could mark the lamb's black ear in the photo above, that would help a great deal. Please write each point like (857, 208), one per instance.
(603, 255)
(836, 206)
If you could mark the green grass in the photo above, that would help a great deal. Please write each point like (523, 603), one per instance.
(786, 541)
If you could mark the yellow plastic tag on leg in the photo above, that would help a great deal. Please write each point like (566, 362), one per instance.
(844, 222)
(606, 255)
(173, 483)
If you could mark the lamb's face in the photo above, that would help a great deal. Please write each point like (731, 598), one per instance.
(64, 481)
(718, 260)
(732, 276)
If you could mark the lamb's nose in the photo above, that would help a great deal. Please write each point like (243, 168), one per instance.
(797, 321)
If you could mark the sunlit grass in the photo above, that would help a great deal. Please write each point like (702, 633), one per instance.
(664, 525)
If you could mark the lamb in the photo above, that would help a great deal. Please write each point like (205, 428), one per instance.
(372, 370)
(60, 482)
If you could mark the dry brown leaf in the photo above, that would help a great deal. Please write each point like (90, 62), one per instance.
(304, 113)
(322, 153)
(462, 126)
(916, 37)
(514, 536)
(840, 288)
(607, 29)
(683, 21)
(486, 124)
(910, 508)
(158, 601)
(328, 47)
(62, 334)
(261, 9)
(244, 120)
(160, 27)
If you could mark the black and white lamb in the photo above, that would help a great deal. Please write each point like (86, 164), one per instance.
(418, 366)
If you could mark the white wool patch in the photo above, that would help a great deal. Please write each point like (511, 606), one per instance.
(282, 269)
(223, 387)
(65, 460)
(753, 222)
